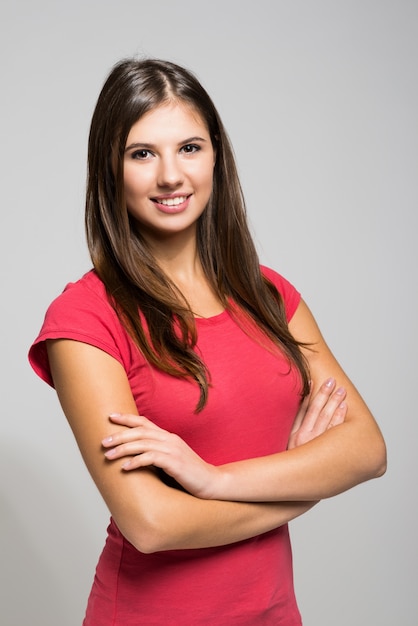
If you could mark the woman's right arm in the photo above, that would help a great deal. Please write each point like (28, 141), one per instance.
(152, 516)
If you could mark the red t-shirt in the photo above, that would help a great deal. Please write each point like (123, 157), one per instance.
(253, 399)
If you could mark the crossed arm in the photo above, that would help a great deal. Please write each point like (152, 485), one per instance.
(350, 449)
(331, 449)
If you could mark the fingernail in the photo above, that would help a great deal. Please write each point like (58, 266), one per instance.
(340, 391)
(126, 465)
(107, 440)
(110, 453)
(329, 382)
(115, 414)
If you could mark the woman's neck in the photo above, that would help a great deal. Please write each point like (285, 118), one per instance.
(178, 258)
(180, 261)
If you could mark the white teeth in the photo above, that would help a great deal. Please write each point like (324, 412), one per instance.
(172, 201)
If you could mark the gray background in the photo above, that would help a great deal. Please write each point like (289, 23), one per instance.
(320, 99)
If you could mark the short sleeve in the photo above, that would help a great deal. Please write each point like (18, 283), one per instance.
(82, 313)
(291, 297)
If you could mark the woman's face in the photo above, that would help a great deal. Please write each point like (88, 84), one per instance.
(168, 170)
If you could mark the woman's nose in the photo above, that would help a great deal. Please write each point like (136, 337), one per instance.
(170, 173)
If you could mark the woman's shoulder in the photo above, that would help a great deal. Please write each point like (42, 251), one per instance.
(86, 295)
(82, 312)
(275, 276)
(290, 295)
(89, 285)
(82, 305)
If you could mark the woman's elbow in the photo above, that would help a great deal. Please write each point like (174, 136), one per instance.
(153, 530)
(377, 459)
(148, 544)
(145, 539)
(382, 461)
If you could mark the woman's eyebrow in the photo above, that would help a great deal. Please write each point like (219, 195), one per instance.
(151, 146)
(190, 139)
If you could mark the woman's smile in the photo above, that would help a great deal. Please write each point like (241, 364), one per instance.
(172, 204)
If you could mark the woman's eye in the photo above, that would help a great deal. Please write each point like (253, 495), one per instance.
(190, 148)
(141, 154)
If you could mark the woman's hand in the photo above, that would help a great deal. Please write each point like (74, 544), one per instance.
(148, 445)
(318, 413)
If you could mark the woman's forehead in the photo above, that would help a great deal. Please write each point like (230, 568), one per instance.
(168, 120)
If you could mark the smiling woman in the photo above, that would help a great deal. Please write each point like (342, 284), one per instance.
(168, 172)
(206, 404)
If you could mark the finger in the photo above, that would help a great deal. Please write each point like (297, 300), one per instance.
(133, 434)
(301, 413)
(128, 419)
(339, 415)
(321, 414)
(146, 460)
(137, 447)
(317, 403)
(327, 414)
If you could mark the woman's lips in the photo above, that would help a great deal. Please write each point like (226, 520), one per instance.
(172, 204)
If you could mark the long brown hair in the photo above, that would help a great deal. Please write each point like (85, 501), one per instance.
(121, 256)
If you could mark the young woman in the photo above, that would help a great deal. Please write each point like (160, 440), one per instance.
(205, 402)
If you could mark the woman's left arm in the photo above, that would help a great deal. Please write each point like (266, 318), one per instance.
(343, 456)
(314, 467)
(340, 458)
